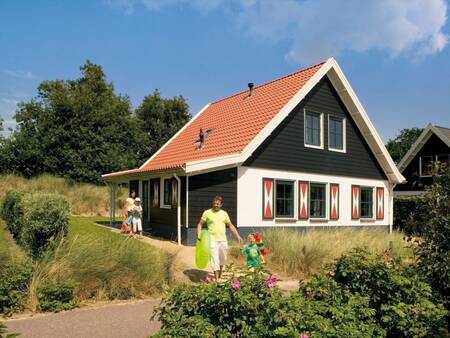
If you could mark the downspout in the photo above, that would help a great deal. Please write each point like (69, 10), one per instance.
(178, 208)
(391, 207)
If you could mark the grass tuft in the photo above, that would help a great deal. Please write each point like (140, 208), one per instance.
(85, 199)
(301, 254)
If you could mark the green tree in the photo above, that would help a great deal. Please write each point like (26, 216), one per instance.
(160, 119)
(400, 145)
(78, 129)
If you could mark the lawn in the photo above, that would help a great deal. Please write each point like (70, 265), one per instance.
(9, 250)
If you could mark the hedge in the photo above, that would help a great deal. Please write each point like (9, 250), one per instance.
(410, 214)
(36, 219)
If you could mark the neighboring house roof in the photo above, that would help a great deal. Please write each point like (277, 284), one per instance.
(441, 132)
(240, 123)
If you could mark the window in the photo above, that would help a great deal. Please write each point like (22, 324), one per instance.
(426, 165)
(366, 204)
(313, 129)
(284, 204)
(167, 193)
(336, 133)
(444, 159)
(317, 200)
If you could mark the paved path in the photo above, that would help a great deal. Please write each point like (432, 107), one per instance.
(126, 320)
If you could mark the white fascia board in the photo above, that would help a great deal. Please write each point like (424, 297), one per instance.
(215, 163)
(176, 134)
(363, 122)
(415, 148)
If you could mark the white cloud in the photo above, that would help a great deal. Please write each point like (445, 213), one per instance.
(20, 74)
(317, 29)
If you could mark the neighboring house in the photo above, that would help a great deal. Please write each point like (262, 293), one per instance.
(431, 146)
(297, 152)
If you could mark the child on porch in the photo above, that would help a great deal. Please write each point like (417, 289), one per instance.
(252, 252)
(136, 212)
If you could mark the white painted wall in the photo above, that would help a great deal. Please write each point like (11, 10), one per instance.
(250, 192)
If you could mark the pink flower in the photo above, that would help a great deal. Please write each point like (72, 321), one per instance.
(310, 294)
(303, 336)
(271, 281)
(236, 284)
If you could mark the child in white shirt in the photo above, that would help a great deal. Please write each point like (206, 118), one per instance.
(136, 212)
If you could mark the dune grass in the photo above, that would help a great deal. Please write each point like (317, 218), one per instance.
(85, 199)
(9, 250)
(103, 264)
(301, 254)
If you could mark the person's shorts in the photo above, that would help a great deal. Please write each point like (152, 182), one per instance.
(218, 254)
(137, 224)
(129, 220)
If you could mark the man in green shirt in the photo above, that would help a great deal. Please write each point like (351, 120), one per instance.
(216, 220)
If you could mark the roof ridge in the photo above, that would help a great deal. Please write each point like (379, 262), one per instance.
(441, 127)
(271, 81)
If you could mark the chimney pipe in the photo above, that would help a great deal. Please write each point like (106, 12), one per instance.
(250, 88)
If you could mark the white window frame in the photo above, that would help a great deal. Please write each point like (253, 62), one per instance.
(161, 193)
(325, 218)
(448, 157)
(294, 216)
(373, 202)
(433, 158)
(344, 134)
(321, 129)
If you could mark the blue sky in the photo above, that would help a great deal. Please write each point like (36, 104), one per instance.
(394, 53)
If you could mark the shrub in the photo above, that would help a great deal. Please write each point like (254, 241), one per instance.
(192, 327)
(402, 300)
(14, 280)
(12, 212)
(364, 295)
(57, 297)
(433, 249)
(249, 306)
(45, 217)
(409, 214)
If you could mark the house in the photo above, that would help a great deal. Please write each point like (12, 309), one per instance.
(432, 145)
(298, 151)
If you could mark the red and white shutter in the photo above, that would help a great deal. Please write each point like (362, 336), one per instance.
(303, 193)
(174, 193)
(334, 201)
(155, 193)
(355, 201)
(268, 197)
(380, 203)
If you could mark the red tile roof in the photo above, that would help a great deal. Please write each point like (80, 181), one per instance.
(236, 120)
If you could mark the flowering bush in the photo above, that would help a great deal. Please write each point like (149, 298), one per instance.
(362, 296)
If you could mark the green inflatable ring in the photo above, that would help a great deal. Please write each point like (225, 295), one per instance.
(203, 250)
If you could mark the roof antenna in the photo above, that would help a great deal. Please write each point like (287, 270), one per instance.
(202, 135)
(250, 88)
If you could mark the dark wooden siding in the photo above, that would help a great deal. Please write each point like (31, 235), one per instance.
(133, 186)
(203, 188)
(284, 149)
(434, 146)
(160, 215)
